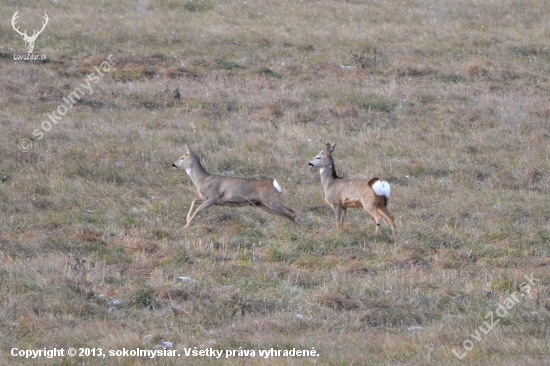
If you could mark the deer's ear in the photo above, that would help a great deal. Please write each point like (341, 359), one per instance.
(332, 147)
(328, 148)
(187, 149)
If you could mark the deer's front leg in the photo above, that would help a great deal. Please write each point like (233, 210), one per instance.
(198, 200)
(342, 216)
(202, 207)
(338, 212)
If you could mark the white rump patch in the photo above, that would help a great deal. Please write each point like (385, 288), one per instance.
(188, 170)
(277, 186)
(381, 188)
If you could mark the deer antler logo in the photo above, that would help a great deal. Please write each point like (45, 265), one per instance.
(29, 41)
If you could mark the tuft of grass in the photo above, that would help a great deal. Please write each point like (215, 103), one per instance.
(230, 65)
(368, 102)
(267, 71)
(145, 297)
(198, 6)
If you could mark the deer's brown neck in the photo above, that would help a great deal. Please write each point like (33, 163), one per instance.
(328, 173)
(197, 172)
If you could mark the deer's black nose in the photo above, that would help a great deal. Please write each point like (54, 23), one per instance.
(310, 164)
(174, 165)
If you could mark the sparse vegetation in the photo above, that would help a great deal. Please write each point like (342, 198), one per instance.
(453, 111)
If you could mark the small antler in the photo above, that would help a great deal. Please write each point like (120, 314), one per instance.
(35, 34)
(13, 21)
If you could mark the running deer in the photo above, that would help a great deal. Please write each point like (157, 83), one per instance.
(342, 194)
(229, 191)
(29, 40)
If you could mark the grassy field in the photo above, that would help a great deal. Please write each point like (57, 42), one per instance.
(447, 100)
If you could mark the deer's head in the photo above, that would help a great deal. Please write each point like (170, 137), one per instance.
(29, 40)
(187, 160)
(324, 157)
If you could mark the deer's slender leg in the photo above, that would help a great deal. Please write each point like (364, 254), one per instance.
(338, 216)
(282, 211)
(202, 207)
(196, 200)
(374, 213)
(384, 212)
(343, 215)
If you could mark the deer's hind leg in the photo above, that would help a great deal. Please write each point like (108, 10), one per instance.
(383, 210)
(372, 209)
(282, 211)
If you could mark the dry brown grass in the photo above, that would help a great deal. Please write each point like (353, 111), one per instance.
(447, 100)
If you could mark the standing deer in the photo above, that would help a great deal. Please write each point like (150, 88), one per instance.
(229, 191)
(29, 41)
(342, 194)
